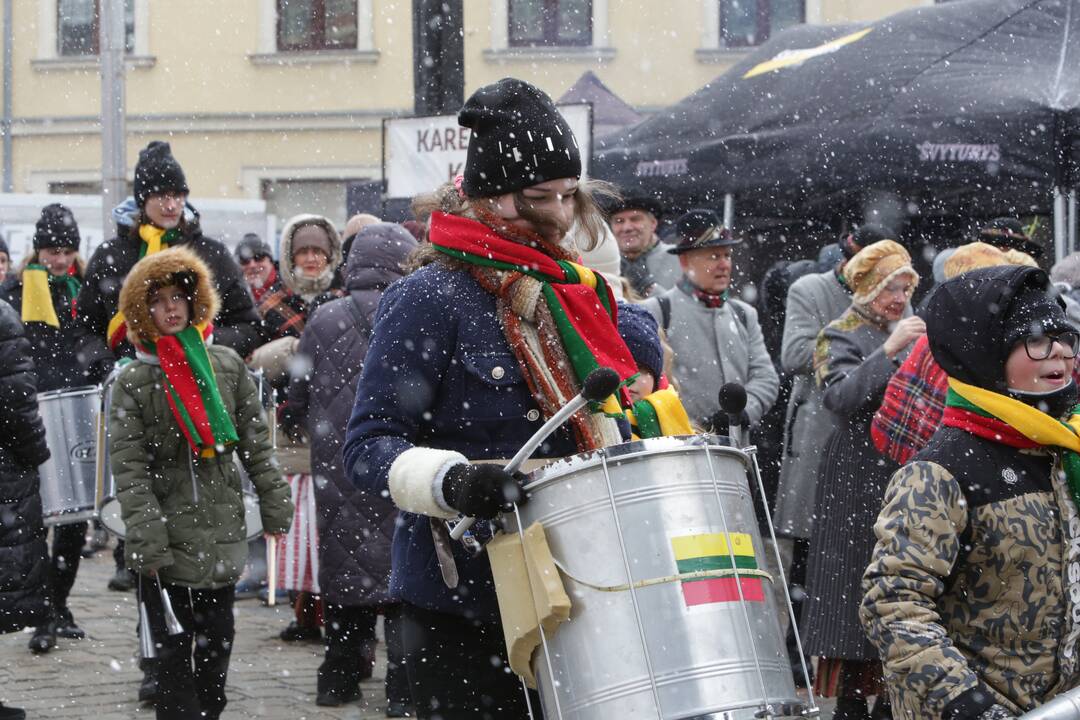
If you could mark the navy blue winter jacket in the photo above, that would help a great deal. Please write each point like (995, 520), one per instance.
(439, 374)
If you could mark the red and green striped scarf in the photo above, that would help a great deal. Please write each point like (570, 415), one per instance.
(579, 299)
(192, 390)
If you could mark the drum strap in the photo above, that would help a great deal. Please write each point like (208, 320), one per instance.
(447, 566)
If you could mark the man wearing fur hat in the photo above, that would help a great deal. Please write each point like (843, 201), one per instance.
(716, 339)
(645, 264)
(163, 218)
(178, 414)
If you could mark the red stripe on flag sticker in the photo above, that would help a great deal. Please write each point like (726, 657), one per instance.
(714, 590)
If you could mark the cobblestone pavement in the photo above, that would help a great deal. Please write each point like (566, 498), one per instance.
(97, 678)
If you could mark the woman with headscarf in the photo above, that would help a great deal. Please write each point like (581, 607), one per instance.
(856, 355)
(973, 590)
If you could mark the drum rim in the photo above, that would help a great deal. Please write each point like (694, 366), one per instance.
(72, 391)
(562, 467)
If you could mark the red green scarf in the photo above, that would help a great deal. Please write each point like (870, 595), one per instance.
(579, 299)
(708, 299)
(192, 390)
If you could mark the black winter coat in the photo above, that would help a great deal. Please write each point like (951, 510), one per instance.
(356, 527)
(23, 553)
(52, 349)
(237, 325)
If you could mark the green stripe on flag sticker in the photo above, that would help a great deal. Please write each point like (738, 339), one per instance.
(715, 562)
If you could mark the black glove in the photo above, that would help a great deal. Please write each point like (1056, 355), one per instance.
(482, 490)
(291, 422)
(719, 423)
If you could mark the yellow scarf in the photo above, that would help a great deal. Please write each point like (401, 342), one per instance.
(659, 414)
(1030, 422)
(37, 303)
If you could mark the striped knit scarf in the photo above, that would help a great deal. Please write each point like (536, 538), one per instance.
(575, 325)
(192, 390)
(154, 240)
(708, 299)
(37, 300)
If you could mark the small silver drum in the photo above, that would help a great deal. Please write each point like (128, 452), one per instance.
(107, 503)
(625, 525)
(68, 477)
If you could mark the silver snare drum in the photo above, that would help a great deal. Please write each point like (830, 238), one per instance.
(625, 524)
(68, 477)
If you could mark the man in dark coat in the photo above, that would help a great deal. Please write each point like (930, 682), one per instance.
(356, 527)
(24, 560)
(161, 218)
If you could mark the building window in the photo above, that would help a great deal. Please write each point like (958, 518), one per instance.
(78, 27)
(550, 23)
(316, 25)
(751, 22)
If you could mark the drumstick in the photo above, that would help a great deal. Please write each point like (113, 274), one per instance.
(599, 384)
(271, 569)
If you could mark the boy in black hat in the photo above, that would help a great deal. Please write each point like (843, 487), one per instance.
(716, 338)
(645, 265)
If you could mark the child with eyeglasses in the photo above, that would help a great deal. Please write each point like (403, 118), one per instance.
(972, 596)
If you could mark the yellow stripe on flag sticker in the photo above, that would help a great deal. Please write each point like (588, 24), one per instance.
(715, 551)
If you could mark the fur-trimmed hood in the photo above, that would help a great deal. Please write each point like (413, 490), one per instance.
(157, 271)
(308, 288)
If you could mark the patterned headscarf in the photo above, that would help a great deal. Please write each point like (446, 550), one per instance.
(874, 267)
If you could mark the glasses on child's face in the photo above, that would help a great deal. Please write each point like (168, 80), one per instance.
(1039, 347)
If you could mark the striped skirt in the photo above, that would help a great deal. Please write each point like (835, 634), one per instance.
(298, 554)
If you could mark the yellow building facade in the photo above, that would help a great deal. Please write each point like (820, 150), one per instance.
(253, 112)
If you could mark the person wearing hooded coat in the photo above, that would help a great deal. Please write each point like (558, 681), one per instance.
(177, 416)
(356, 527)
(856, 355)
(972, 593)
(24, 554)
(99, 331)
(44, 292)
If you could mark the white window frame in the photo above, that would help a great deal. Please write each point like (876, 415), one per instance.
(49, 56)
(365, 32)
(599, 47)
(710, 27)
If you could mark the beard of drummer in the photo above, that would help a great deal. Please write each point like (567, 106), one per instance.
(170, 309)
(546, 208)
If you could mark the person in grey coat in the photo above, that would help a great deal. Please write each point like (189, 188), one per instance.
(812, 303)
(855, 357)
(646, 264)
(355, 526)
(716, 339)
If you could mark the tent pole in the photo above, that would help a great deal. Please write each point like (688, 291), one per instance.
(1060, 210)
(1071, 219)
(729, 210)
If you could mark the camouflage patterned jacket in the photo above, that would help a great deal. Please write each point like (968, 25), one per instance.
(966, 594)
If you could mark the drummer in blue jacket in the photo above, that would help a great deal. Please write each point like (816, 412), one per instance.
(469, 355)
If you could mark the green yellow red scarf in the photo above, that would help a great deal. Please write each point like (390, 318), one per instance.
(153, 240)
(37, 301)
(1006, 420)
(658, 414)
(579, 299)
(192, 390)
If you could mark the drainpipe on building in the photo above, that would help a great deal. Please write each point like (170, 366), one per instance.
(113, 136)
(438, 57)
(5, 122)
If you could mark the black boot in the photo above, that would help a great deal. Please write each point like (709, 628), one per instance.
(66, 627)
(148, 688)
(122, 581)
(43, 639)
(851, 709)
(9, 713)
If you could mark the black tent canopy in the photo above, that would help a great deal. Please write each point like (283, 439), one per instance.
(968, 106)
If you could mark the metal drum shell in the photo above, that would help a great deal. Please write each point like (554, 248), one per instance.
(703, 661)
(68, 477)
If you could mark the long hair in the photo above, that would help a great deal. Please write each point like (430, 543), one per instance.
(588, 215)
(32, 258)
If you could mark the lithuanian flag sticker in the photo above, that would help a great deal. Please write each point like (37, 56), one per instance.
(714, 551)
